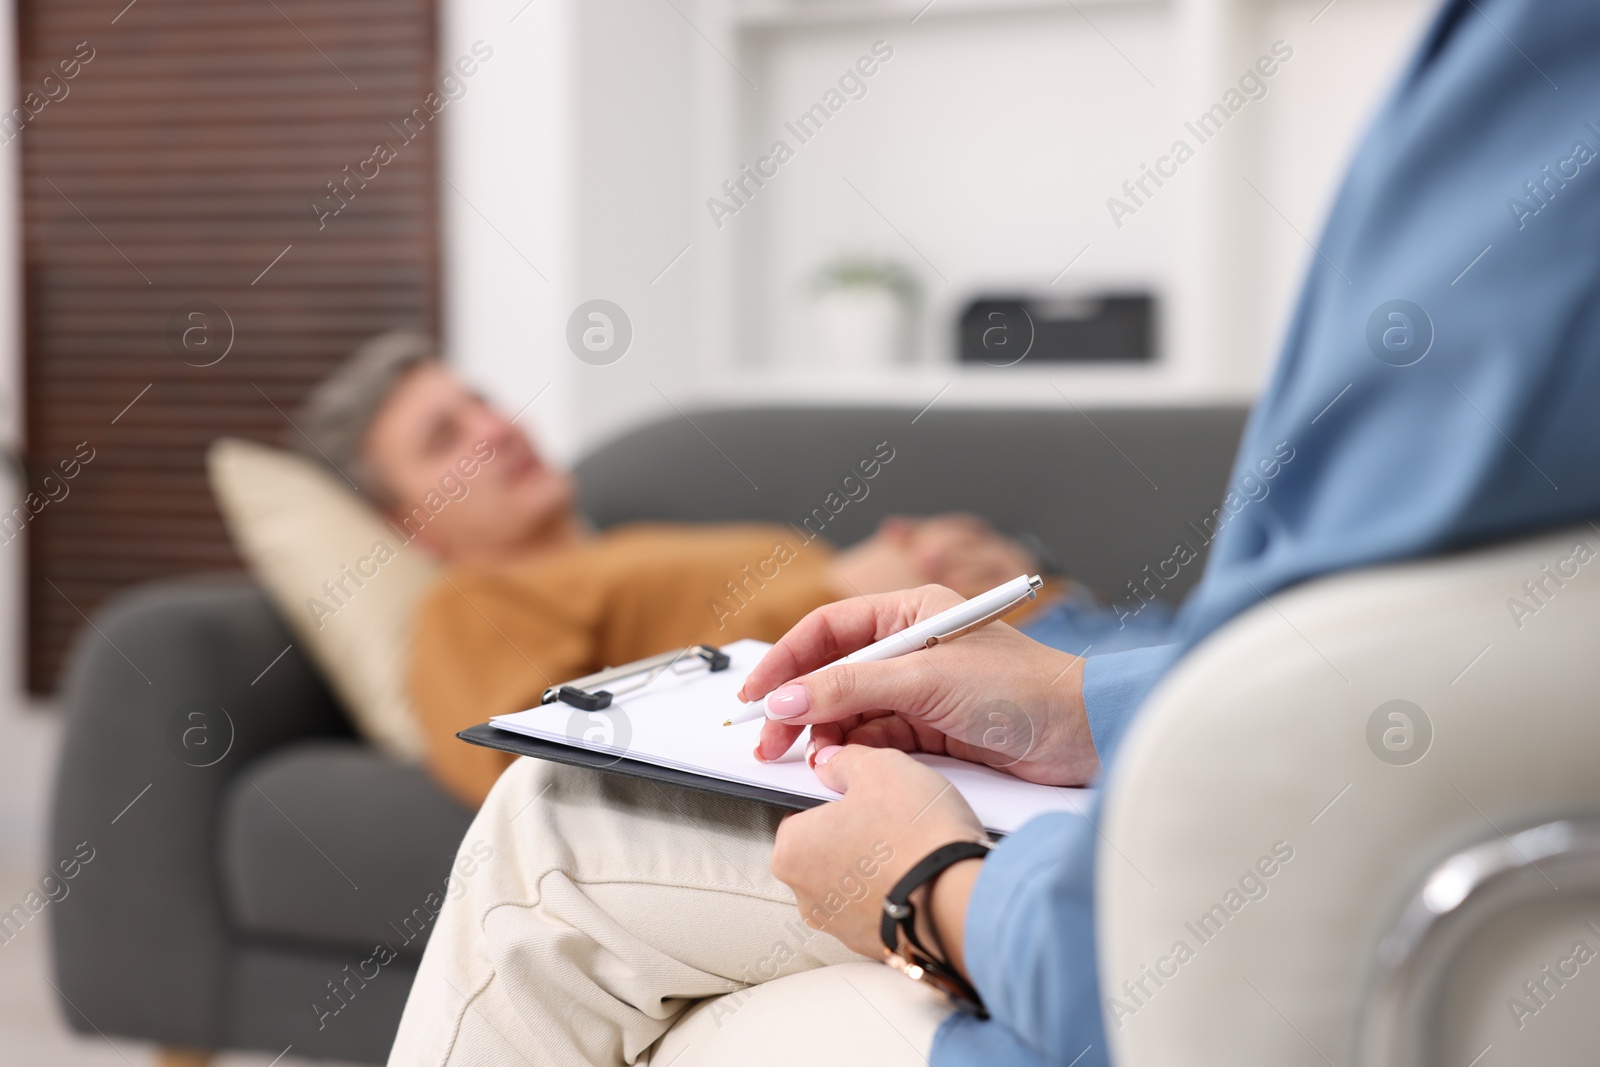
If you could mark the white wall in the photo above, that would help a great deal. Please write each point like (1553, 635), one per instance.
(574, 147)
(508, 206)
(24, 736)
(990, 142)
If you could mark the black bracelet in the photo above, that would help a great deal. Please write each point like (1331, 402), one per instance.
(900, 917)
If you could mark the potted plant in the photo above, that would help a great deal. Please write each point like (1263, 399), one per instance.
(863, 313)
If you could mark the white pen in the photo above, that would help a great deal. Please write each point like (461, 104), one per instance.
(963, 618)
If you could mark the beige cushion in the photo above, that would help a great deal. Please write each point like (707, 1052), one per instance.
(1261, 736)
(298, 527)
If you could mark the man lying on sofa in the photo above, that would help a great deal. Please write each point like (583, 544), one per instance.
(531, 595)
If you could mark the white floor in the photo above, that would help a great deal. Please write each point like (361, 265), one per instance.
(32, 1030)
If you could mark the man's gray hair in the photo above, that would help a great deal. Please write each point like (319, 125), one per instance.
(332, 423)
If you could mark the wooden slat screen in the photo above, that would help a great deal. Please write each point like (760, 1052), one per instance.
(179, 165)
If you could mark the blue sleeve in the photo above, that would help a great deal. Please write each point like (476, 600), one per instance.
(1114, 685)
(1030, 921)
(1082, 625)
(1031, 953)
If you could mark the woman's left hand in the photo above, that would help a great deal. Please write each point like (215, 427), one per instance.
(842, 858)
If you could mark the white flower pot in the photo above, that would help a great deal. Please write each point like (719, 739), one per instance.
(859, 327)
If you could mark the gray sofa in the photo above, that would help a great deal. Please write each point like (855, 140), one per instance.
(241, 884)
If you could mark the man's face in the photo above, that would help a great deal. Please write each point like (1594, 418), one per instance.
(460, 477)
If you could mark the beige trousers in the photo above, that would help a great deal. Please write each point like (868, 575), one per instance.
(598, 919)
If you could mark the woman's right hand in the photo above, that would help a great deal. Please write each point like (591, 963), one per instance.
(992, 696)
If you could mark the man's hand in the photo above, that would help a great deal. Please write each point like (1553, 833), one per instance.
(961, 551)
(841, 859)
(965, 553)
(881, 563)
(992, 696)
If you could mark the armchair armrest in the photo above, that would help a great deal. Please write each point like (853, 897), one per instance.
(141, 943)
(1298, 777)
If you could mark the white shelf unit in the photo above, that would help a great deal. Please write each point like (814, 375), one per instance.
(981, 157)
(1068, 99)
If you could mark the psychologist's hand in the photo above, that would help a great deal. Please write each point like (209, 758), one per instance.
(992, 696)
(841, 859)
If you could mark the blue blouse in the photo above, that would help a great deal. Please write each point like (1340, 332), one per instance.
(1436, 386)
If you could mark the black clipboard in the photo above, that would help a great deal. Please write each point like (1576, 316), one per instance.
(586, 695)
(490, 736)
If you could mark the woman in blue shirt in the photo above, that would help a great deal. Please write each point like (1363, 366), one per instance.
(1431, 405)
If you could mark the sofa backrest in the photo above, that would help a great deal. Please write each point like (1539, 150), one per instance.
(1108, 491)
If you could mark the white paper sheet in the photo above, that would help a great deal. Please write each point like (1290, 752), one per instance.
(677, 722)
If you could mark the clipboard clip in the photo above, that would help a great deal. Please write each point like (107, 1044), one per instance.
(585, 693)
(1033, 590)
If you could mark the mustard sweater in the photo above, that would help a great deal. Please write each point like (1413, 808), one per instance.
(489, 640)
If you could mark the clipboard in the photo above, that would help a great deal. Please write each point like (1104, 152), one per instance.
(489, 736)
(661, 719)
(598, 691)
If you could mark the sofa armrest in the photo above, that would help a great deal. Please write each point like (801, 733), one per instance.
(166, 698)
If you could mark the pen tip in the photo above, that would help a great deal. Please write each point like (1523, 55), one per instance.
(727, 722)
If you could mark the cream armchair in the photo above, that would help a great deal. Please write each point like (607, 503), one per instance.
(1352, 827)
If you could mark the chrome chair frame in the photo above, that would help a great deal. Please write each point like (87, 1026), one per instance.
(1400, 1014)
